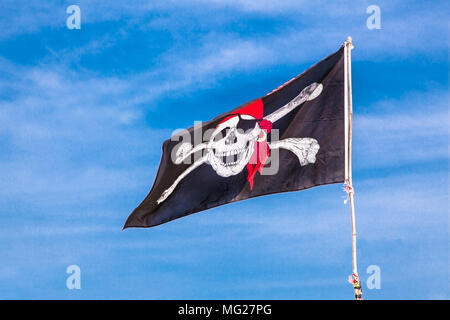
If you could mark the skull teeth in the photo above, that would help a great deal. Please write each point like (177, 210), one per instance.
(229, 158)
(228, 153)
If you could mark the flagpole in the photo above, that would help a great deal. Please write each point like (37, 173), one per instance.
(349, 183)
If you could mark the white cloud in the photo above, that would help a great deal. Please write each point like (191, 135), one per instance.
(69, 134)
(310, 25)
(68, 138)
(408, 130)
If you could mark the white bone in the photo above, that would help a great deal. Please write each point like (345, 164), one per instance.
(309, 93)
(168, 191)
(185, 150)
(304, 148)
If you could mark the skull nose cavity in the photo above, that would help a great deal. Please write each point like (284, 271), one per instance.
(231, 139)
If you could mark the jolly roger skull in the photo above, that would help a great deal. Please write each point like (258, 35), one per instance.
(232, 144)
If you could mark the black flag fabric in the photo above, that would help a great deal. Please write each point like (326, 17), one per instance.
(290, 139)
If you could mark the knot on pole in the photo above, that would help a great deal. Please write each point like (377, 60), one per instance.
(348, 188)
(354, 280)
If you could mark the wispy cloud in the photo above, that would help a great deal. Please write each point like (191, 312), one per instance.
(80, 147)
(404, 29)
(69, 134)
(391, 136)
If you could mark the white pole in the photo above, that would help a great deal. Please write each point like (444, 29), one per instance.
(349, 182)
(346, 110)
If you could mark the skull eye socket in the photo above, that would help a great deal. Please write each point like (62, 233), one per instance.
(246, 124)
(221, 134)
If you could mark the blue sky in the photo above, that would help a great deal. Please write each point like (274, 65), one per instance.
(83, 114)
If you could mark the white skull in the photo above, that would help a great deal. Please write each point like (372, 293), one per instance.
(230, 147)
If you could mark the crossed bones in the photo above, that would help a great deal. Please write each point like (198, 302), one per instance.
(228, 155)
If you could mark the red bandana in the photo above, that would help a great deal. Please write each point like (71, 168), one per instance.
(262, 151)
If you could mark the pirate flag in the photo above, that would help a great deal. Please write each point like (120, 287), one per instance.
(290, 139)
